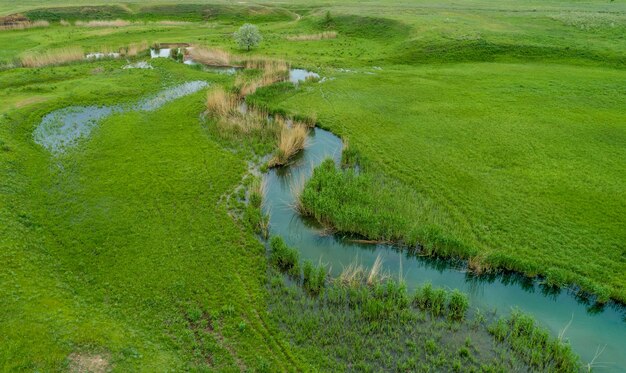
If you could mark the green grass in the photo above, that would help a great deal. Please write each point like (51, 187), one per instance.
(119, 246)
(516, 165)
(492, 131)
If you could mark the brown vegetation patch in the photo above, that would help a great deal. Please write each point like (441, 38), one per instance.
(210, 57)
(273, 71)
(318, 36)
(30, 101)
(52, 57)
(82, 362)
(95, 23)
(293, 138)
(20, 22)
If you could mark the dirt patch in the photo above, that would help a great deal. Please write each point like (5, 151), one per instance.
(29, 101)
(93, 363)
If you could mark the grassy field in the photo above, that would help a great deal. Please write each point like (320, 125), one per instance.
(494, 132)
(123, 249)
(518, 166)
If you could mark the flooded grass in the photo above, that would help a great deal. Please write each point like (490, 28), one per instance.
(374, 324)
(63, 128)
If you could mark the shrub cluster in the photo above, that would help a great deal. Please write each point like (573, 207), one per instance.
(439, 301)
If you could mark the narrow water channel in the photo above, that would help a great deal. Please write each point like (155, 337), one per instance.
(591, 328)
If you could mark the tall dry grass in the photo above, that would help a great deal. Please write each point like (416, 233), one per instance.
(273, 71)
(309, 37)
(52, 57)
(211, 57)
(134, 49)
(292, 140)
(96, 23)
(172, 23)
(221, 102)
(24, 25)
(64, 23)
(355, 274)
(233, 122)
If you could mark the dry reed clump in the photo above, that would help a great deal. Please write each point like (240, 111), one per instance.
(355, 275)
(210, 57)
(292, 140)
(135, 48)
(309, 37)
(232, 121)
(52, 57)
(272, 71)
(173, 23)
(221, 102)
(23, 25)
(114, 23)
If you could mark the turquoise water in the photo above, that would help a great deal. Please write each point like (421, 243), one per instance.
(591, 328)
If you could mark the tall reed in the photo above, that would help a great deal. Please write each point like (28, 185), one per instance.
(221, 102)
(52, 57)
(318, 36)
(210, 57)
(97, 23)
(24, 25)
(134, 49)
(292, 140)
(272, 71)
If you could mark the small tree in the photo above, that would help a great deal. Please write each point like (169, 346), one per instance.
(328, 20)
(248, 36)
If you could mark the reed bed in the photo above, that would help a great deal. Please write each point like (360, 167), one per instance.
(291, 141)
(95, 23)
(135, 48)
(221, 102)
(210, 57)
(273, 71)
(233, 122)
(310, 37)
(52, 57)
(24, 25)
(173, 23)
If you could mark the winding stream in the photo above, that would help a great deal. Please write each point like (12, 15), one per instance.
(591, 328)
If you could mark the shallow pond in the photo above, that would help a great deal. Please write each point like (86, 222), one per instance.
(99, 55)
(61, 129)
(590, 328)
(160, 53)
(300, 75)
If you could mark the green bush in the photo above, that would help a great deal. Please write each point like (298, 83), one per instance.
(458, 304)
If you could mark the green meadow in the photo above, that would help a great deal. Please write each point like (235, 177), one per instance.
(490, 132)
